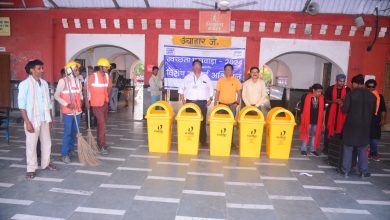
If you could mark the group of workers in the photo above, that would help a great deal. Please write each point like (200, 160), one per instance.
(35, 106)
(358, 114)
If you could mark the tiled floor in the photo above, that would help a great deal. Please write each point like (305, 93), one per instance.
(131, 183)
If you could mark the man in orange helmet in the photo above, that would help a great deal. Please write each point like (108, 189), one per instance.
(100, 85)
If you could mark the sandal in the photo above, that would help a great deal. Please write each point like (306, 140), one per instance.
(51, 167)
(30, 175)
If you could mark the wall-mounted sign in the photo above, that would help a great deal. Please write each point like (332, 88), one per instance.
(5, 26)
(214, 21)
(202, 41)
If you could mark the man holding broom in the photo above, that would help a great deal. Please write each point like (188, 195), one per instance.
(99, 86)
(70, 100)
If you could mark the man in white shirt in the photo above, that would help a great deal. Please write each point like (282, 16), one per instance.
(197, 88)
(155, 86)
(114, 74)
(254, 92)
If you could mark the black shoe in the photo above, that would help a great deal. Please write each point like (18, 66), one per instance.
(303, 153)
(314, 153)
(367, 174)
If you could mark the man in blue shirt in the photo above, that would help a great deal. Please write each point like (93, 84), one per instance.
(34, 105)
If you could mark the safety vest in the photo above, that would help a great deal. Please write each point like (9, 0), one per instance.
(75, 92)
(98, 89)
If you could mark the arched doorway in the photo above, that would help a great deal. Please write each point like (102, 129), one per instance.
(127, 63)
(298, 64)
(299, 70)
(124, 59)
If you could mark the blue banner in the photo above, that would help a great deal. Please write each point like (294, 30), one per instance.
(177, 67)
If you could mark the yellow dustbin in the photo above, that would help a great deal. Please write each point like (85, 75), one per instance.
(280, 130)
(159, 123)
(221, 131)
(188, 129)
(251, 122)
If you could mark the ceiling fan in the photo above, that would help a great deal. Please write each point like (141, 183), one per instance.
(225, 5)
(311, 7)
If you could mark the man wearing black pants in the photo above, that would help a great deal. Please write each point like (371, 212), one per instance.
(196, 88)
(334, 117)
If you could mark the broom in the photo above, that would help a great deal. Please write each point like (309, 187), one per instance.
(85, 152)
(90, 139)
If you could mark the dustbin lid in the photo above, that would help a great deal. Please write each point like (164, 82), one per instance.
(273, 117)
(165, 111)
(169, 106)
(214, 116)
(196, 115)
(243, 115)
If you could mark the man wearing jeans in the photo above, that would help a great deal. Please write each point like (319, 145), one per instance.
(196, 88)
(113, 103)
(359, 106)
(312, 105)
(69, 95)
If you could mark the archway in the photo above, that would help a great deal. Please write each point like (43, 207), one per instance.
(299, 64)
(123, 58)
(334, 51)
(127, 63)
(79, 42)
(299, 70)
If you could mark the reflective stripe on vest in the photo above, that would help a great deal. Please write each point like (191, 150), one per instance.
(96, 82)
(75, 93)
(98, 90)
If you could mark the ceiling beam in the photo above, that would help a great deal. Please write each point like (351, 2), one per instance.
(147, 3)
(53, 3)
(116, 4)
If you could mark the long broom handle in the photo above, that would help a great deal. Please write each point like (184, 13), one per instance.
(71, 101)
(87, 100)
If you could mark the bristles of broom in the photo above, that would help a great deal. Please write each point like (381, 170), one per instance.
(91, 141)
(85, 152)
